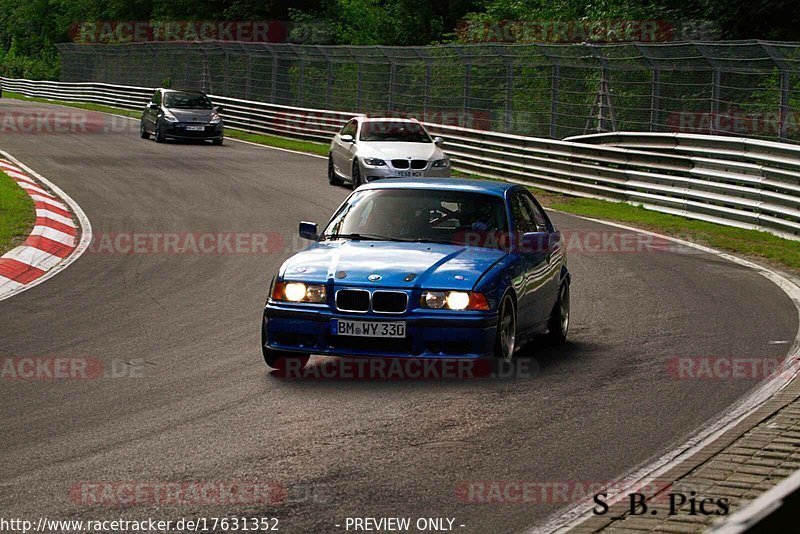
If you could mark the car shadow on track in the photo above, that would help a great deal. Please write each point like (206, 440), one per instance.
(527, 366)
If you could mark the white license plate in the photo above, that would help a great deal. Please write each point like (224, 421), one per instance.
(394, 329)
(409, 174)
(195, 128)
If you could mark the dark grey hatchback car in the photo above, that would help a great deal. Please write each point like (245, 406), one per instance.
(175, 114)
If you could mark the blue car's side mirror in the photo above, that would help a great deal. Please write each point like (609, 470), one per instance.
(535, 242)
(308, 230)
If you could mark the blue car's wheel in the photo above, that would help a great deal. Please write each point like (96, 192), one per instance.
(558, 326)
(506, 342)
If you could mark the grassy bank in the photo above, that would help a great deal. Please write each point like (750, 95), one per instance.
(16, 214)
(760, 246)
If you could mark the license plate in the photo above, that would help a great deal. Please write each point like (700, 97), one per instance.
(409, 174)
(195, 128)
(393, 329)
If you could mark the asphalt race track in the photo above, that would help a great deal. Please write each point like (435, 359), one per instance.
(207, 409)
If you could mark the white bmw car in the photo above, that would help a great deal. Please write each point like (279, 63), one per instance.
(369, 149)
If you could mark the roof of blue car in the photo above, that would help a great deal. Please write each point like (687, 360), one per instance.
(446, 184)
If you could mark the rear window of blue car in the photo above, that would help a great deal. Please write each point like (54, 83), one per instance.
(453, 217)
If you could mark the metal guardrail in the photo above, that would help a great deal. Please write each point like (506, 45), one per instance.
(731, 181)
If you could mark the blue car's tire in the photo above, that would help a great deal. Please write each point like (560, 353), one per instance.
(558, 325)
(506, 341)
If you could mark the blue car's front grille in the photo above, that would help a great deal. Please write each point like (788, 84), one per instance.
(354, 300)
(379, 301)
(389, 301)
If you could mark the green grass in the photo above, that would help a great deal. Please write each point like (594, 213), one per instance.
(16, 214)
(760, 246)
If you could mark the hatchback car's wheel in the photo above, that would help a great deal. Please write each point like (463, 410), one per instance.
(356, 175)
(332, 178)
(159, 135)
(217, 141)
(142, 131)
(506, 342)
(558, 326)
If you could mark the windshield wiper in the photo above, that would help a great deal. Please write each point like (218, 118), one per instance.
(365, 237)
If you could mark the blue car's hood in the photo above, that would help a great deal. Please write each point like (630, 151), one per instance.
(435, 266)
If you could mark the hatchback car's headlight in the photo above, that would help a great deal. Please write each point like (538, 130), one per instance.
(215, 118)
(170, 117)
(454, 300)
(441, 163)
(375, 162)
(298, 292)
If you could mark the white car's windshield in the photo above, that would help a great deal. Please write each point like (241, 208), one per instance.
(453, 217)
(403, 131)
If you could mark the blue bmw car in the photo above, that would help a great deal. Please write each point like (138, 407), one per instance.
(435, 268)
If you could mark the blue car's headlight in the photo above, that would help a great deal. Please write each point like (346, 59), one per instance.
(441, 163)
(298, 292)
(169, 117)
(374, 162)
(454, 300)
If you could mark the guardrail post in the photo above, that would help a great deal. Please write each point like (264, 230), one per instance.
(783, 111)
(554, 101)
(509, 96)
(655, 101)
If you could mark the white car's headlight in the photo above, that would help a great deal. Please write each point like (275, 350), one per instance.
(454, 300)
(441, 163)
(170, 117)
(298, 292)
(374, 162)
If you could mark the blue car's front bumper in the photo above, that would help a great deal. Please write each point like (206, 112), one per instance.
(429, 334)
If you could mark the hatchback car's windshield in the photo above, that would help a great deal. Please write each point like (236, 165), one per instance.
(403, 131)
(186, 101)
(417, 215)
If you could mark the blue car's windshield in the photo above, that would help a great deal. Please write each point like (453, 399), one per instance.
(418, 215)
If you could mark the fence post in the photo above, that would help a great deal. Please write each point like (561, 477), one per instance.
(274, 76)
(300, 75)
(426, 92)
(554, 101)
(655, 101)
(392, 74)
(247, 74)
(329, 88)
(783, 111)
(358, 86)
(467, 80)
(715, 81)
(509, 95)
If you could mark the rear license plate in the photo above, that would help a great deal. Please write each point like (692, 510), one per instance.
(195, 128)
(409, 174)
(393, 329)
